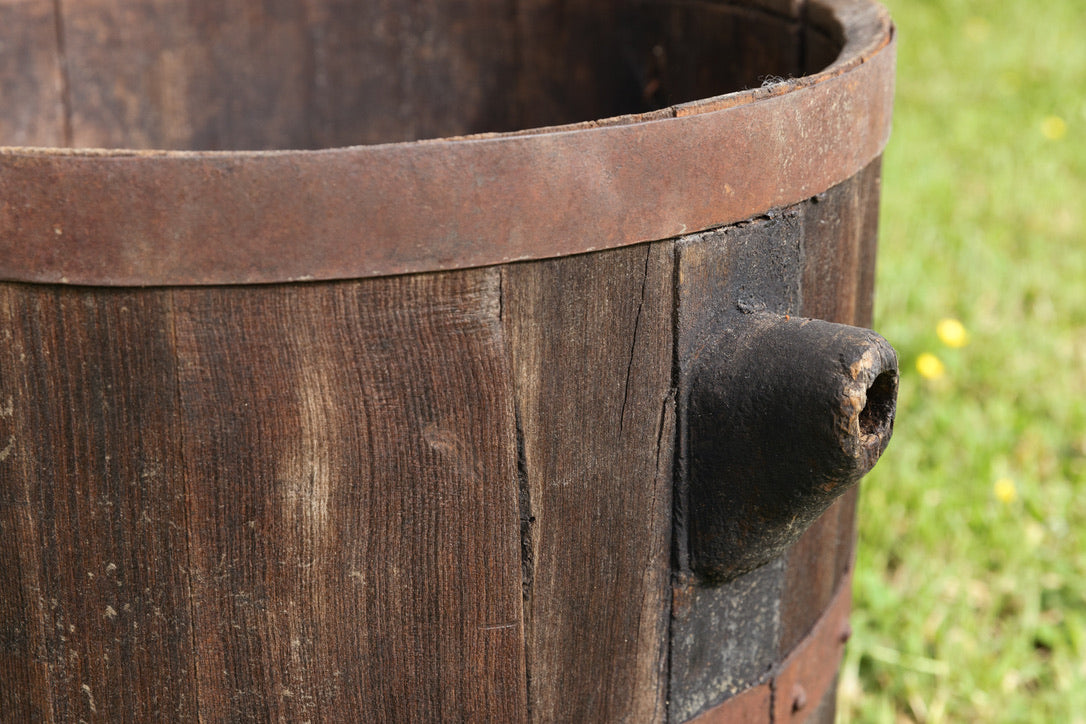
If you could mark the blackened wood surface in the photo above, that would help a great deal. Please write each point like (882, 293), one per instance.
(757, 263)
(591, 346)
(724, 640)
(263, 503)
(815, 259)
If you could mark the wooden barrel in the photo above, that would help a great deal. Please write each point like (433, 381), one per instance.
(303, 418)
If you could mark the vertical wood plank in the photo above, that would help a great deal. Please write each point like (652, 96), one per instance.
(95, 604)
(334, 467)
(839, 249)
(838, 284)
(24, 662)
(816, 564)
(31, 76)
(870, 179)
(350, 456)
(591, 347)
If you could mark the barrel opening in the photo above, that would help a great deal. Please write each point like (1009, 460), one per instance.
(877, 416)
(262, 75)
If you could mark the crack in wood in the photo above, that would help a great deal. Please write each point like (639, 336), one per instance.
(633, 339)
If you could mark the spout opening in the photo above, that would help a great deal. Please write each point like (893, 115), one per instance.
(877, 415)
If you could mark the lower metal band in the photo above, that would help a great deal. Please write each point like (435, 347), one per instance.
(798, 684)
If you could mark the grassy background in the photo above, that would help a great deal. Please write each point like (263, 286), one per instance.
(970, 597)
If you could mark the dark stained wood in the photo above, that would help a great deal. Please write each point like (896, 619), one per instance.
(197, 75)
(871, 181)
(590, 338)
(839, 246)
(585, 59)
(840, 229)
(762, 48)
(758, 262)
(799, 687)
(816, 564)
(350, 458)
(819, 49)
(320, 511)
(269, 503)
(724, 640)
(262, 74)
(581, 59)
(31, 79)
(95, 603)
(787, 8)
(387, 70)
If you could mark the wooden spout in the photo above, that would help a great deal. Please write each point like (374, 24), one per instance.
(785, 415)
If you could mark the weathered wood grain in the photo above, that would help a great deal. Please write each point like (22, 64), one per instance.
(438, 497)
(298, 501)
(95, 603)
(262, 503)
(839, 248)
(197, 75)
(590, 338)
(349, 460)
(583, 59)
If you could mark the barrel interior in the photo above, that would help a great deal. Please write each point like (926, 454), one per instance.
(278, 74)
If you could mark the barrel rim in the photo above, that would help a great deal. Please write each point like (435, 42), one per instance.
(153, 218)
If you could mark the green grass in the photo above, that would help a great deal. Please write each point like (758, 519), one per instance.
(969, 607)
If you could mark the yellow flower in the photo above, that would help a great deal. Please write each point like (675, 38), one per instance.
(930, 367)
(952, 333)
(1005, 490)
(1054, 128)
